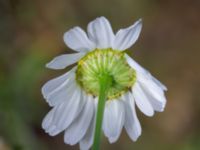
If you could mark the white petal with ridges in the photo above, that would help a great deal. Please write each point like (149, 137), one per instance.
(132, 124)
(154, 92)
(52, 84)
(54, 131)
(151, 86)
(143, 71)
(65, 113)
(88, 139)
(101, 33)
(113, 120)
(69, 110)
(60, 93)
(48, 119)
(141, 100)
(47, 123)
(125, 38)
(156, 104)
(135, 65)
(77, 40)
(75, 132)
(64, 94)
(63, 61)
(161, 85)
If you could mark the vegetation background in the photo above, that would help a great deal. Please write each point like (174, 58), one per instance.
(31, 34)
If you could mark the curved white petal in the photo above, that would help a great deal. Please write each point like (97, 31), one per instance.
(154, 92)
(66, 112)
(88, 139)
(156, 104)
(54, 131)
(48, 119)
(77, 40)
(113, 121)
(62, 61)
(142, 100)
(161, 85)
(62, 93)
(69, 110)
(101, 33)
(125, 38)
(142, 70)
(151, 86)
(47, 123)
(58, 89)
(75, 132)
(132, 124)
(96, 102)
(52, 84)
(135, 65)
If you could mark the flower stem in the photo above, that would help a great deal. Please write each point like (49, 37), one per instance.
(104, 82)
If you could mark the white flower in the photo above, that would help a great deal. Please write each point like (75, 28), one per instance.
(74, 95)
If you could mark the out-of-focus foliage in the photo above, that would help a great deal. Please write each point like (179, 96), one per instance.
(31, 35)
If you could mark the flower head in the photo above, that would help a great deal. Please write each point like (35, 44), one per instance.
(74, 95)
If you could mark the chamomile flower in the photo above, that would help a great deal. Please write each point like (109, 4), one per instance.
(74, 95)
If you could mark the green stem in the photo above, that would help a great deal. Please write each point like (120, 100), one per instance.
(105, 82)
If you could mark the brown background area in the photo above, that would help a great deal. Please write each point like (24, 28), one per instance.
(169, 46)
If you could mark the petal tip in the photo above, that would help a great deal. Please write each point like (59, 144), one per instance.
(140, 20)
(51, 65)
(48, 65)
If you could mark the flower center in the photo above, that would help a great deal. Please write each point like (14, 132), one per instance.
(107, 62)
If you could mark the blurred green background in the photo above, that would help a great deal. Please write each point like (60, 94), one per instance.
(169, 46)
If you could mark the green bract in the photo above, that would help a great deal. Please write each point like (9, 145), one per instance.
(106, 62)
